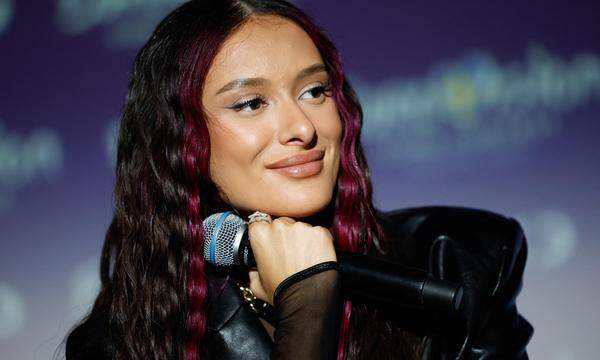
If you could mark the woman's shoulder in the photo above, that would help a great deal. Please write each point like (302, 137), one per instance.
(486, 252)
(416, 232)
(483, 250)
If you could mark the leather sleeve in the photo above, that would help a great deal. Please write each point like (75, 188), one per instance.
(491, 326)
(484, 251)
(504, 333)
(306, 313)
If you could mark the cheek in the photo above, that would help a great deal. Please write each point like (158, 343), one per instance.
(332, 130)
(332, 127)
(232, 154)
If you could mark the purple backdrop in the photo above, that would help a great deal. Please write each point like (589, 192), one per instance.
(491, 106)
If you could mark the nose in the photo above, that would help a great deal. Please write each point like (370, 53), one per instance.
(295, 124)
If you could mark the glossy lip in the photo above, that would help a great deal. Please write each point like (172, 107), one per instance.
(303, 170)
(299, 159)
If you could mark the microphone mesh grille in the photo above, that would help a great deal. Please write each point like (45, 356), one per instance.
(224, 241)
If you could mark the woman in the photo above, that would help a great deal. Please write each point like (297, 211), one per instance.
(238, 105)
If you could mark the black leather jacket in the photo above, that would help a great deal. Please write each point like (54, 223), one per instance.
(484, 251)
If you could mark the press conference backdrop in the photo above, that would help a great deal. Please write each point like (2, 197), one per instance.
(490, 105)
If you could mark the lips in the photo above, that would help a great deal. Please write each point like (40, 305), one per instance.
(298, 159)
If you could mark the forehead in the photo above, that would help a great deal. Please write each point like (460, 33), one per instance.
(266, 46)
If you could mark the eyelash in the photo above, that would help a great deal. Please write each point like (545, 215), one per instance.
(323, 89)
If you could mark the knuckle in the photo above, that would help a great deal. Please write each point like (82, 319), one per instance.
(303, 225)
(258, 230)
(278, 224)
(257, 226)
(323, 231)
(319, 228)
(283, 220)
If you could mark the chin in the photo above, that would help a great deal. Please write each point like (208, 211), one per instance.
(293, 203)
(296, 214)
(300, 209)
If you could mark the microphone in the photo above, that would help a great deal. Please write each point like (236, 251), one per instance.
(226, 243)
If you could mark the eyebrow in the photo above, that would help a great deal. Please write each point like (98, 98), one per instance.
(240, 83)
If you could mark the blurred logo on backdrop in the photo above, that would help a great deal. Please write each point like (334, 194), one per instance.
(128, 23)
(474, 105)
(25, 159)
(6, 14)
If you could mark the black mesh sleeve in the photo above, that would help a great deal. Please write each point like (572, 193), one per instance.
(306, 314)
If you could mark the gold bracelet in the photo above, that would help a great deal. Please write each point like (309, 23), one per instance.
(258, 306)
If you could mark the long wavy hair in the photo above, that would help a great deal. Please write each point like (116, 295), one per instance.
(153, 282)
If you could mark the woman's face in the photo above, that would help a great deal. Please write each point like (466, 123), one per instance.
(265, 101)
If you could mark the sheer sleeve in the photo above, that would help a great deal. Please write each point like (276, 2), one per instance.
(306, 314)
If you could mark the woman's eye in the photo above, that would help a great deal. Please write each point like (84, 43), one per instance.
(256, 102)
(318, 90)
(252, 104)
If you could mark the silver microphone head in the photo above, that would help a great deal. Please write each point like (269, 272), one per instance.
(223, 234)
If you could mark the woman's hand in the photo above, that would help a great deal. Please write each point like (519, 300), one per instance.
(283, 248)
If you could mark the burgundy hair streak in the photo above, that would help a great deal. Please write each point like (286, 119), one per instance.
(196, 153)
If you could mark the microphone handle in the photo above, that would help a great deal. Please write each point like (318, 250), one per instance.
(383, 281)
(244, 252)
